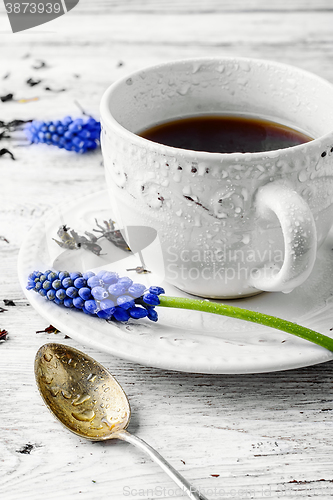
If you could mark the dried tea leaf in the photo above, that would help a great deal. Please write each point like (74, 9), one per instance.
(71, 240)
(9, 302)
(26, 449)
(54, 90)
(112, 234)
(49, 329)
(139, 270)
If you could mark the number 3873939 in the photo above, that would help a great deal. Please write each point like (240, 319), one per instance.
(32, 8)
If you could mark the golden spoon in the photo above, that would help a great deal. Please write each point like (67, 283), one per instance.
(89, 401)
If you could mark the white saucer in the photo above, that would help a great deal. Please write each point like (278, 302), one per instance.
(181, 340)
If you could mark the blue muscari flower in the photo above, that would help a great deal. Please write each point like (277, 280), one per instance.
(73, 135)
(105, 294)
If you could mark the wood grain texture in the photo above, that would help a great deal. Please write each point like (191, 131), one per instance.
(257, 436)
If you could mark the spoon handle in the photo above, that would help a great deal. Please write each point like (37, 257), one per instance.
(185, 486)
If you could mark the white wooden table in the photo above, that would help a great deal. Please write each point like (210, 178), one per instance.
(257, 436)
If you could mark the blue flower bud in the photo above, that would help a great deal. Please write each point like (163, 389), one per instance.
(125, 301)
(80, 283)
(56, 284)
(136, 290)
(152, 314)
(52, 276)
(107, 305)
(94, 281)
(99, 293)
(61, 294)
(51, 294)
(75, 275)
(91, 306)
(87, 275)
(117, 289)
(151, 299)
(68, 302)
(109, 278)
(71, 292)
(47, 285)
(158, 290)
(138, 312)
(63, 274)
(66, 282)
(85, 293)
(125, 281)
(121, 314)
(78, 302)
(104, 314)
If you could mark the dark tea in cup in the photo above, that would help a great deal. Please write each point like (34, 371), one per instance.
(225, 134)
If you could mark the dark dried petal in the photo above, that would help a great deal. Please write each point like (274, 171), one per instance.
(41, 64)
(33, 82)
(48, 329)
(3, 335)
(4, 151)
(9, 302)
(7, 97)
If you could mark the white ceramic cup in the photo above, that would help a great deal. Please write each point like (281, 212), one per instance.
(228, 225)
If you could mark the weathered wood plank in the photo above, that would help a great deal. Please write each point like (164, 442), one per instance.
(266, 435)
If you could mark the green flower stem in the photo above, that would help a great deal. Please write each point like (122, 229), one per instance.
(245, 314)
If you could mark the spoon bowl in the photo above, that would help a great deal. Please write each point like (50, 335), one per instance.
(90, 402)
(82, 394)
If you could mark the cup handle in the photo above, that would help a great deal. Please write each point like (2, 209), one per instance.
(299, 233)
